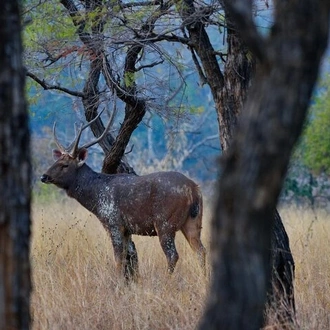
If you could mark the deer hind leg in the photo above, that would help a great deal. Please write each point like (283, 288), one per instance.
(192, 232)
(168, 245)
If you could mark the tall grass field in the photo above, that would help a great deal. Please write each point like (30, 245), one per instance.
(75, 285)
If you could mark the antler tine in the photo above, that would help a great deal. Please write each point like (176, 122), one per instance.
(76, 132)
(74, 144)
(57, 142)
(111, 120)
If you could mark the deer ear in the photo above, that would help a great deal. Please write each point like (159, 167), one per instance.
(82, 156)
(56, 154)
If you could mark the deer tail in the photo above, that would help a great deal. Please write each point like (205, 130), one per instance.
(197, 205)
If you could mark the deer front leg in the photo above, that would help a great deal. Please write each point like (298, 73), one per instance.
(168, 245)
(119, 243)
(131, 266)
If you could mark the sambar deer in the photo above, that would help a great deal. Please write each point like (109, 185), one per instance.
(160, 203)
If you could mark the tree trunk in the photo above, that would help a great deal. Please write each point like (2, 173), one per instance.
(280, 298)
(229, 89)
(14, 176)
(255, 165)
(239, 70)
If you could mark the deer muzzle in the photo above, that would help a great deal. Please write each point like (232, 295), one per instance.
(46, 178)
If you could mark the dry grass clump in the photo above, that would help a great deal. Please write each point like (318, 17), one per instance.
(309, 234)
(76, 286)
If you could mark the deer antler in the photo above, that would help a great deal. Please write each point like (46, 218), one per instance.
(73, 147)
(76, 132)
(59, 145)
(110, 122)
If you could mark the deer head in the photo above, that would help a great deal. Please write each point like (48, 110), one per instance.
(69, 159)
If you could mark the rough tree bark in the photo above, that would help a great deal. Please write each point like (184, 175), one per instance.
(239, 71)
(254, 167)
(14, 176)
(229, 88)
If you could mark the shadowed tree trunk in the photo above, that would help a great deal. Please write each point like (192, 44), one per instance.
(14, 176)
(229, 88)
(281, 300)
(239, 71)
(254, 167)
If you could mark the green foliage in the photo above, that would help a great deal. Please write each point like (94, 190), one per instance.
(47, 27)
(196, 110)
(316, 139)
(49, 37)
(129, 79)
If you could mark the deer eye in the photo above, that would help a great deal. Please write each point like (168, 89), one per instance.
(65, 165)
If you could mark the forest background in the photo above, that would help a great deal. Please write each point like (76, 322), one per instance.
(180, 130)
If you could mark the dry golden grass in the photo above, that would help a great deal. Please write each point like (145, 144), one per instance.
(309, 234)
(76, 286)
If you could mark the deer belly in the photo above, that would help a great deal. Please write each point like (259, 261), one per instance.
(140, 227)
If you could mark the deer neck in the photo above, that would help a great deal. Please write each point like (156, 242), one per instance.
(85, 187)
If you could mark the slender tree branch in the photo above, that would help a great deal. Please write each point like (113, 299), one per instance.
(202, 46)
(153, 38)
(201, 143)
(111, 82)
(47, 86)
(151, 65)
(221, 55)
(140, 4)
(198, 67)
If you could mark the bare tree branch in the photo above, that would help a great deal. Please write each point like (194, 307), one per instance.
(151, 65)
(47, 86)
(140, 4)
(199, 69)
(201, 143)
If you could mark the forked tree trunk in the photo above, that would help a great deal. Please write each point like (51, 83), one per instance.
(14, 176)
(255, 165)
